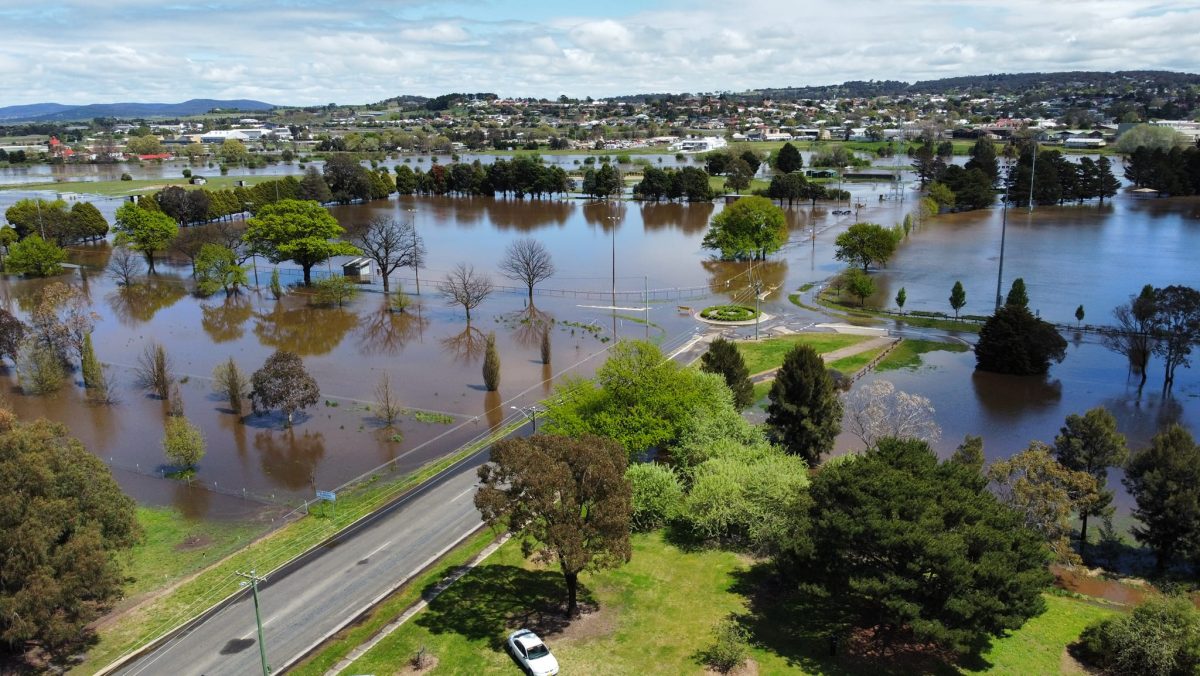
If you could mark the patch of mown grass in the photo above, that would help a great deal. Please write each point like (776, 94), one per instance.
(137, 186)
(768, 354)
(656, 613)
(907, 354)
(144, 623)
(390, 608)
(174, 546)
(901, 320)
(855, 362)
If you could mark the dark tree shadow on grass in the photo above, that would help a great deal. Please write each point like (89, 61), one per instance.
(493, 600)
(804, 629)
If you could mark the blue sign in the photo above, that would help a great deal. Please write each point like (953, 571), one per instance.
(327, 495)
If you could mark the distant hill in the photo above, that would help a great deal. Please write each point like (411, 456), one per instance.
(56, 112)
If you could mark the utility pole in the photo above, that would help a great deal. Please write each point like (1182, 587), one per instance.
(1003, 232)
(252, 581)
(417, 258)
(1032, 173)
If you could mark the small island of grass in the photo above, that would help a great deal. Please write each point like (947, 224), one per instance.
(729, 313)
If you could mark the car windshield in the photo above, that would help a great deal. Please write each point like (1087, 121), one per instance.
(537, 651)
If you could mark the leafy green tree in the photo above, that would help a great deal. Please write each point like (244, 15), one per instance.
(1177, 319)
(567, 500)
(406, 180)
(217, 269)
(638, 397)
(299, 231)
(283, 383)
(1044, 493)
(739, 175)
(49, 219)
(859, 284)
(983, 158)
(742, 497)
(958, 298)
(144, 231)
(1148, 136)
(35, 257)
(144, 145)
(657, 495)
(182, 442)
(805, 413)
(724, 359)
(1160, 637)
(941, 195)
(970, 453)
(603, 183)
(1091, 443)
(91, 369)
(86, 221)
(313, 187)
(882, 527)
(865, 244)
(750, 228)
(233, 151)
(63, 524)
(788, 159)
(901, 299)
(1164, 480)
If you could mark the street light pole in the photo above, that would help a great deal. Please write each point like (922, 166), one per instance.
(1003, 232)
(529, 412)
(252, 581)
(1032, 173)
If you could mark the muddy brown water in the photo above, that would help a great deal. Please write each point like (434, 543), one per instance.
(434, 358)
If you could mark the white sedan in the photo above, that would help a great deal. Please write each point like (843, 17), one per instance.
(533, 655)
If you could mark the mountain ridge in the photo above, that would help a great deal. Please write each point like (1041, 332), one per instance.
(57, 112)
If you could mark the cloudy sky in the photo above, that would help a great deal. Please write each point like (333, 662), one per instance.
(352, 51)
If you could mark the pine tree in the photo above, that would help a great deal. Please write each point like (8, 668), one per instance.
(1017, 295)
(901, 299)
(1107, 183)
(1165, 481)
(491, 364)
(724, 359)
(805, 412)
(1079, 315)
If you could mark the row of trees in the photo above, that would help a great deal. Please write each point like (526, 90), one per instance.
(521, 176)
(689, 184)
(1174, 171)
(54, 221)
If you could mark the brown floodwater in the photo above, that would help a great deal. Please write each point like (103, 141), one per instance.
(434, 357)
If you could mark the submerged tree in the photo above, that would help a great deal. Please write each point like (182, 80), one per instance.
(527, 261)
(230, 382)
(566, 498)
(283, 383)
(183, 442)
(463, 286)
(1177, 315)
(1137, 322)
(491, 364)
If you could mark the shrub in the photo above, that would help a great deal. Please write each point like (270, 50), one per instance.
(657, 495)
(39, 368)
(399, 302)
(182, 442)
(730, 647)
(1161, 637)
(126, 177)
(336, 290)
(276, 287)
(491, 364)
(729, 313)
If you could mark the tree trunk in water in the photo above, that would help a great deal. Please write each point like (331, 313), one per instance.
(150, 264)
(572, 591)
(385, 284)
(307, 275)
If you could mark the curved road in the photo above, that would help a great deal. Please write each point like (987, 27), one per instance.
(309, 603)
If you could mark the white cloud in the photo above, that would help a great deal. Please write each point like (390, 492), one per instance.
(316, 51)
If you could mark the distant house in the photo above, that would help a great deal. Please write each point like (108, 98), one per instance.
(1083, 142)
(198, 180)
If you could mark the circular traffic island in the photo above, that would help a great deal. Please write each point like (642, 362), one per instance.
(730, 314)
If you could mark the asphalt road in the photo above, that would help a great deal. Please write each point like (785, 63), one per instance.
(304, 606)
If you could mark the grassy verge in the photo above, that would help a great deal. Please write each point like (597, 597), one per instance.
(855, 362)
(854, 311)
(138, 186)
(907, 354)
(175, 546)
(768, 354)
(142, 624)
(658, 610)
(391, 608)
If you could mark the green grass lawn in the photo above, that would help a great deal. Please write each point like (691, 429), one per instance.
(175, 546)
(855, 362)
(654, 616)
(768, 354)
(907, 354)
(137, 186)
(851, 309)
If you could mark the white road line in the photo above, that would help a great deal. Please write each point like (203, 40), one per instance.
(469, 490)
(376, 550)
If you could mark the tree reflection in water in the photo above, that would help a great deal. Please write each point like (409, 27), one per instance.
(493, 409)
(304, 329)
(191, 501)
(138, 303)
(384, 332)
(528, 325)
(466, 347)
(733, 279)
(1011, 397)
(291, 459)
(224, 321)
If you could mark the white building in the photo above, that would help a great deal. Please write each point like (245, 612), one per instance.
(698, 144)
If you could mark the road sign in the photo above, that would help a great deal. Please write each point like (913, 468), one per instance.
(327, 495)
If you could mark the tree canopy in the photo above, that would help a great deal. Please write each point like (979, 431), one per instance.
(566, 498)
(883, 527)
(144, 230)
(297, 230)
(724, 359)
(1164, 480)
(35, 257)
(1014, 341)
(283, 383)
(63, 519)
(865, 244)
(805, 412)
(750, 228)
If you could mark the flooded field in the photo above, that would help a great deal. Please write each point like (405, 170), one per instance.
(1068, 256)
